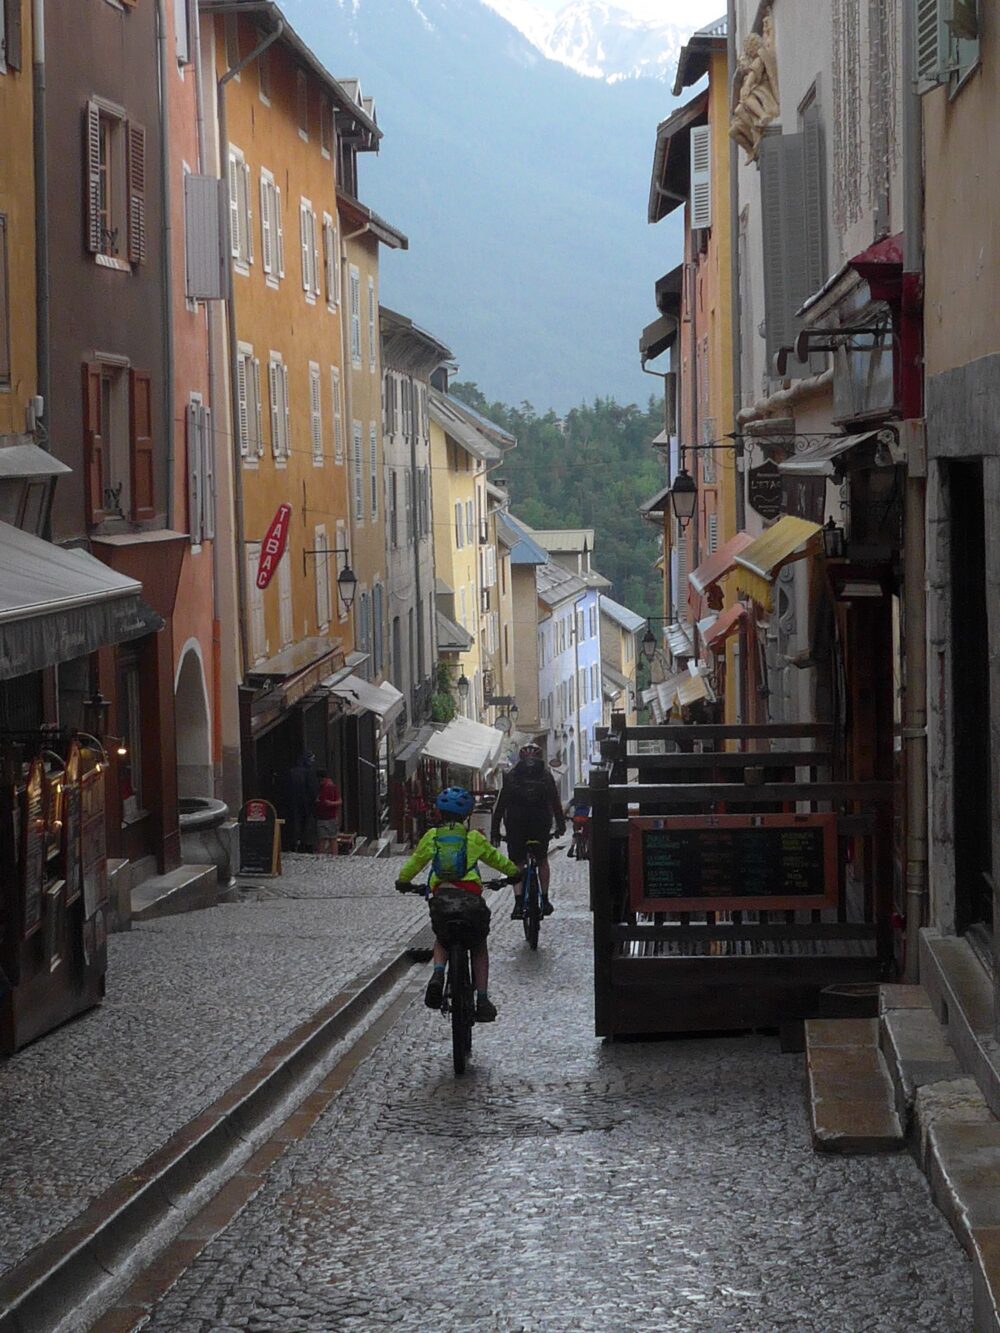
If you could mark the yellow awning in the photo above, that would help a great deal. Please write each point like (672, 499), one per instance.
(757, 565)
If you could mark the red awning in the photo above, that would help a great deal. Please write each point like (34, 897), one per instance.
(728, 623)
(719, 563)
(881, 266)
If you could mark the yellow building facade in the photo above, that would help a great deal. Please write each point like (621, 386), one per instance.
(18, 379)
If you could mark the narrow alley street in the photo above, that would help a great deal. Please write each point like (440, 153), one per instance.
(566, 1184)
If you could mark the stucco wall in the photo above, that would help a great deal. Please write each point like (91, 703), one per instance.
(17, 202)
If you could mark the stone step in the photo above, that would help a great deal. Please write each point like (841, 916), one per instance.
(186, 889)
(381, 849)
(851, 1097)
(914, 1045)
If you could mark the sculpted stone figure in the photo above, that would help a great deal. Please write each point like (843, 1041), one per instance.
(755, 90)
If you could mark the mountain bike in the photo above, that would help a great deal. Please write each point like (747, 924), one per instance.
(532, 895)
(459, 997)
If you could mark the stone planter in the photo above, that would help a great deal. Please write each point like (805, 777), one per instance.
(207, 834)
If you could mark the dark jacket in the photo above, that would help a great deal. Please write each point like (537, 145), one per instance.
(520, 808)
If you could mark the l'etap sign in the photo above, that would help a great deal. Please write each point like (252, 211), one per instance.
(272, 548)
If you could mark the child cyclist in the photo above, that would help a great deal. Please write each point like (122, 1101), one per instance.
(457, 890)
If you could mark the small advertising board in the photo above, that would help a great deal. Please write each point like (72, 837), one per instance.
(732, 863)
(260, 839)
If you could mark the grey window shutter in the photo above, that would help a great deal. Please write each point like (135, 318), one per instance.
(208, 460)
(182, 31)
(194, 469)
(932, 42)
(786, 266)
(12, 34)
(207, 268)
(815, 200)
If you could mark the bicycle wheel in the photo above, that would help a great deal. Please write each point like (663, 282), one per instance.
(461, 1006)
(532, 908)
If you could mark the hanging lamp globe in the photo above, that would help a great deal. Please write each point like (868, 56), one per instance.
(684, 497)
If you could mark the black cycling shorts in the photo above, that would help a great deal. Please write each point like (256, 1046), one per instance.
(517, 844)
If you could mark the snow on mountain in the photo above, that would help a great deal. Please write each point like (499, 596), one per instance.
(599, 40)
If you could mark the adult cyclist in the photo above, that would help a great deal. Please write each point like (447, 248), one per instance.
(527, 805)
(457, 891)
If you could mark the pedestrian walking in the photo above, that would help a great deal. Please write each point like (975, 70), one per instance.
(327, 809)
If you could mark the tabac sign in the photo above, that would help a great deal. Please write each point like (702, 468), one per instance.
(273, 546)
(764, 489)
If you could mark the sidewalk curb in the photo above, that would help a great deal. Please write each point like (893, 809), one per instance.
(63, 1273)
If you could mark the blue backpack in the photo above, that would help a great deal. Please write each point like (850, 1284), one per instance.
(451, 860)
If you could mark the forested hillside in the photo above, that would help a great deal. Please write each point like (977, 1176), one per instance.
(591, 469)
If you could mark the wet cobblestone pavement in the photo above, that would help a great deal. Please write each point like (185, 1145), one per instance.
(569, 1185)
(193, 1002)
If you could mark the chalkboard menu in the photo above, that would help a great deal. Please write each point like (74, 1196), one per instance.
(260, 839)
(721, 863)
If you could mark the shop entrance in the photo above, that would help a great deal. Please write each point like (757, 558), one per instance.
(972, 783)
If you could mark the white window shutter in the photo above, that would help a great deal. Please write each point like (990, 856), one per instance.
(373, 466)
(234, 205)
(701, 177)
(257, 407)
(336, 264)
(181, 31)
(279, 231)
(272, 385)
(248, 218)
(359, 494)
(287, 436)
(338, 425)
(315, 412)
(314, 238)
(932, 43)
(242, 373)
(266, 257)
(304, 246)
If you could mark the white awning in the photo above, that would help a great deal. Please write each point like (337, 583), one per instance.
(57, 603)
(820, 459)
(466, 744)
(384, 700)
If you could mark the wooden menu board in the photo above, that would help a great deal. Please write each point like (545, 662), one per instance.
(260, 839)
(731, 863)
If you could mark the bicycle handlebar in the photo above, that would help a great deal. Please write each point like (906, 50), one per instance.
(422, 888)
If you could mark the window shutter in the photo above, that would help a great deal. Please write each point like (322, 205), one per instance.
(266, 257)
(272, 386)
(285, 616)
(208, 460)
(279, 231)
(315, 412)
(92, 175)
(932, 42)
(371, 323)
(458, 524)
(93, 440)
(287, 437)
(206, 266)
(136, 193)
(338, 425)
(314, 241)
(373, 466)
(359, 494)
(786, 268)
(336, 264)
(181, 33)
(234, 205)
(701, 177)
(814, 177)
(248, 214)
(257, 407)
(304, 246)
(243, 371)
(141, 444)
(194, 471)
(12, 36)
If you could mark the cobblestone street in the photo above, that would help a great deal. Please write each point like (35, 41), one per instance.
(565, 1184)
(193, 1002)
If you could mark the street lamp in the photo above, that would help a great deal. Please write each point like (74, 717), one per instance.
(463, 687)
(512, 713)
(347, 586)
(649, 645)
(833, 540)
(684, 497)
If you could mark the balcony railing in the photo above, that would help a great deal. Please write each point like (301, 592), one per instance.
(420, 697)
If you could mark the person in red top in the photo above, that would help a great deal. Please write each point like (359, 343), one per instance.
(327, 813)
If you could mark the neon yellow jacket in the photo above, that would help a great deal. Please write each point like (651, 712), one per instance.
(477, 848)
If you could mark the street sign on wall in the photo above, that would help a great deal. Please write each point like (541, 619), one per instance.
(273, 546)
(764, 489)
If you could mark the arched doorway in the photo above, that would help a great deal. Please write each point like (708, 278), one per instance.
(195, 776)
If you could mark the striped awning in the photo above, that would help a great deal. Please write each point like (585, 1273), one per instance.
(758, 564)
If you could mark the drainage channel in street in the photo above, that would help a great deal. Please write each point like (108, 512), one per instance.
(132, 1306)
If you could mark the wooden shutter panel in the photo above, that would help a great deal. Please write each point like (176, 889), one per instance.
(93, 441)
(12, 36)
(194, 471)
(786, 269)
(140, 417)
(701, 177)
(92, 178)
(136, 193)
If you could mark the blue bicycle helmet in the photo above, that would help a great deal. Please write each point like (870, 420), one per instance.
(455, 801)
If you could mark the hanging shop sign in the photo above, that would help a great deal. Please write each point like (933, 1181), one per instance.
(764, 489)
(260, 839)
(33, 848)
(273, 546)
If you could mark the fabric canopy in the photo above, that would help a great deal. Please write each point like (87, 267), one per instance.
(819, 461)
(57, 603)
(719, 563)
(384, 700)
(727, 623)
(758, 563)
(466, 744)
